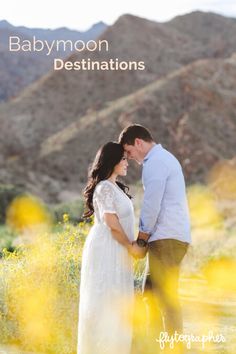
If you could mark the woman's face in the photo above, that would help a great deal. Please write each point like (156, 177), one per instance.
(121, 168)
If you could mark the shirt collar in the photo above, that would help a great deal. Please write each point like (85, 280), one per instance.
(152, 151)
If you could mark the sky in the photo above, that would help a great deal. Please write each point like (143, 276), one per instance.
(81, 15)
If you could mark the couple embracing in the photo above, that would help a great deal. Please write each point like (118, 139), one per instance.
(107, 283)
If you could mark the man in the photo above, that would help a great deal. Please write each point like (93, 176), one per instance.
(164, 228)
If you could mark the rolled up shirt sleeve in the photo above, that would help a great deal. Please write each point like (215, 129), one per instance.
(155, 174)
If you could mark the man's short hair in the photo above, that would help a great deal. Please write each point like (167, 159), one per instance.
(133, 131)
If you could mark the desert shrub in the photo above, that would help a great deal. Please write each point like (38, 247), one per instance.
(73, 209)
(7, 237)
(7, 194)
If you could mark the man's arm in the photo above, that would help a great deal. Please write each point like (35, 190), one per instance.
(155, 176)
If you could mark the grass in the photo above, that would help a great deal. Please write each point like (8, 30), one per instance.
(7, 237)
(39, 292)
(40, 276)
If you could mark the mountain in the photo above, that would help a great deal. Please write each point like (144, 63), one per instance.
(64, 95)
(18, 70)
(49, 133)
(191, 111)
(63, 33)
(217, 31)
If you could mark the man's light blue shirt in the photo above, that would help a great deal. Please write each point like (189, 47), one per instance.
(164, 212)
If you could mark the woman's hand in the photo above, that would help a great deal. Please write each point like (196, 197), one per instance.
(136, 251)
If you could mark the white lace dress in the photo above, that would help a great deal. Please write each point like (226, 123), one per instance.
(107, 285)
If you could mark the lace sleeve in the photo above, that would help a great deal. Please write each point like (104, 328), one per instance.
(106, 199)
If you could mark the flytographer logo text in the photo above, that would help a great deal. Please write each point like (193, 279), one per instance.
(16, 44)
(166, 340)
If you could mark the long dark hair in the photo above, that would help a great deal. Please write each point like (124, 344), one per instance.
(107, 157)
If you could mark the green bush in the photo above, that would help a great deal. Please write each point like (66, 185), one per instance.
(74, 210)
(7, 194)
(7, 237)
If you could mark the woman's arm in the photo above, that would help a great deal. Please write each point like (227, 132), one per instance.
(117, 231)
(119, 235)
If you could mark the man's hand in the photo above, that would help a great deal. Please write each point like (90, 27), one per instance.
(136, 251)
(143, 235)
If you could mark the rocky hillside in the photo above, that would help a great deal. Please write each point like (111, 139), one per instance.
(49, 134)
(191, 111)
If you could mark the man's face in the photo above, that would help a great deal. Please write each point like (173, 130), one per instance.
(134, 152)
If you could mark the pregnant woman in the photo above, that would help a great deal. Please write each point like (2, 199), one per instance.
(107, 286)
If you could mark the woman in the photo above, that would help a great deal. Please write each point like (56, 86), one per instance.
(107, 286)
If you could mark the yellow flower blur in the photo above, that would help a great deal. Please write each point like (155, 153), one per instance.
(203, 208)
(27, 212)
